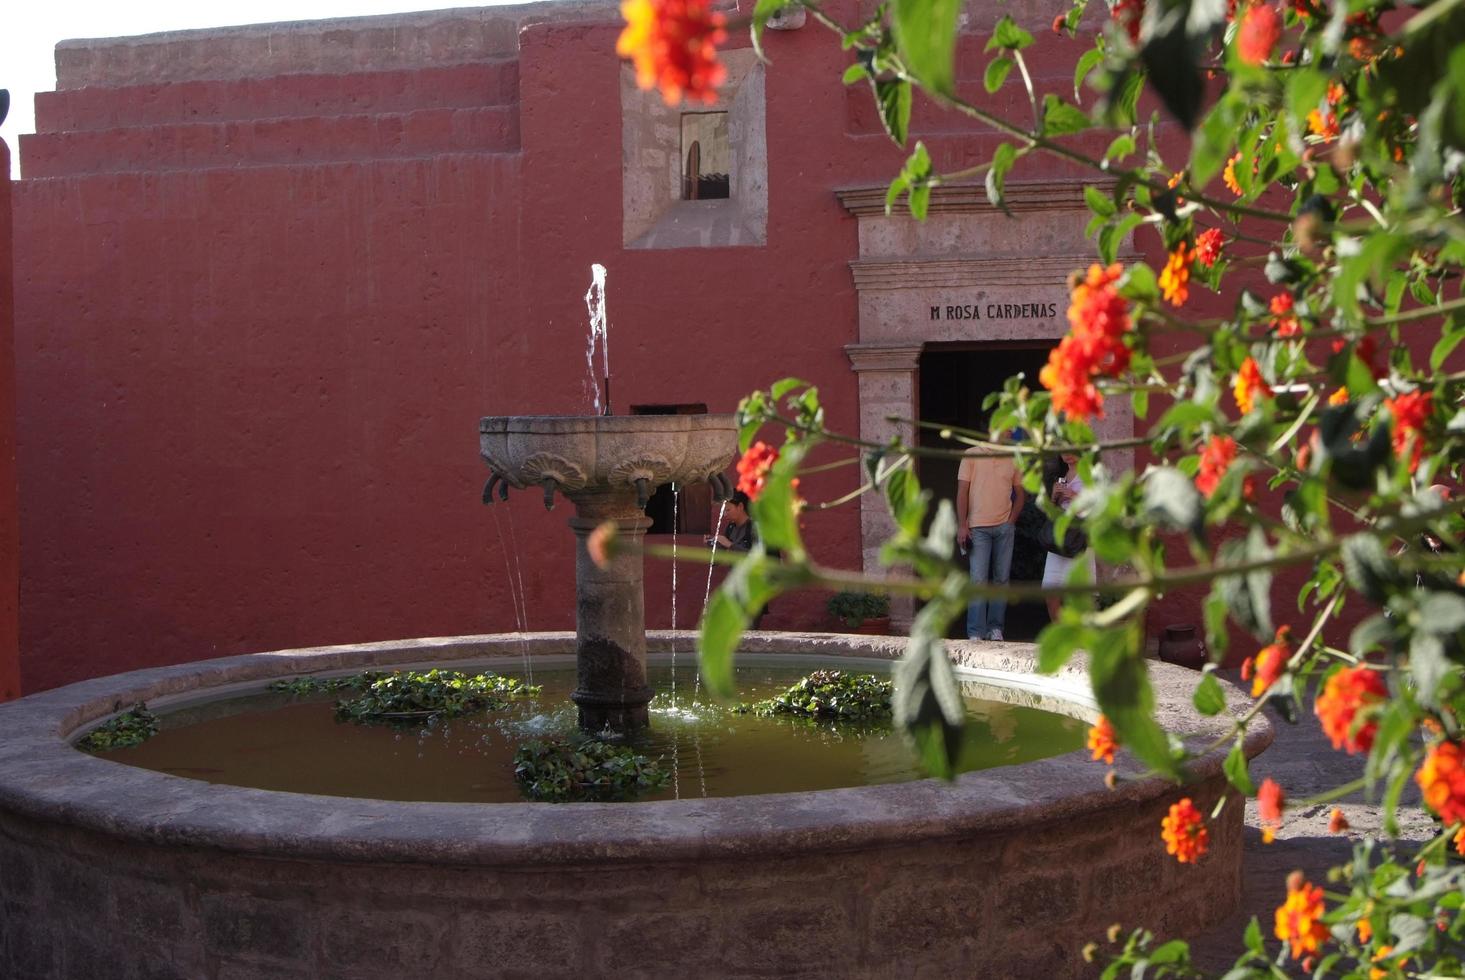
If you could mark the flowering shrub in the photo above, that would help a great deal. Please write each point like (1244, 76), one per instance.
(1319, 207)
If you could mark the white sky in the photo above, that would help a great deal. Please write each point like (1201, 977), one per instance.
(29, 30)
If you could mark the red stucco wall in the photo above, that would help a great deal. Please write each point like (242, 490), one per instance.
(9, 523)
(266, 289)
(248, 411)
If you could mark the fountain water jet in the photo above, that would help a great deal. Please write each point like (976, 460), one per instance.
(608, 466)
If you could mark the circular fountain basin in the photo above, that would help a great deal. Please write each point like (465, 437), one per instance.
(112, 870)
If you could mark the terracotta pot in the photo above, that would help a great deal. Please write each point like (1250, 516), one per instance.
(879, 626)
(1181, 646)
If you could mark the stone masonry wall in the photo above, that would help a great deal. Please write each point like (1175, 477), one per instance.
(1019, 905)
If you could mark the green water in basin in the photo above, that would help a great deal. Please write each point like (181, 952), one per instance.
(278, 742)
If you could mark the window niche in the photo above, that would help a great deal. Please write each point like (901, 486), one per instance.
(706, 156)
(673, 158)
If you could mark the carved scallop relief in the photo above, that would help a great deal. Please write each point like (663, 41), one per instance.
(655, 470)
(539, 466)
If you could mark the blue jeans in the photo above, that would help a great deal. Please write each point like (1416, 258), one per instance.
(991, 561)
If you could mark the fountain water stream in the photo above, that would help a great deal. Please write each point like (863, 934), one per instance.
(595, 306)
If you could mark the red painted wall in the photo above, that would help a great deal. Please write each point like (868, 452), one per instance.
(263, 298)
(9, 523)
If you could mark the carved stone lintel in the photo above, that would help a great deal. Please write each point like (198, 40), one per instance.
(883, 357)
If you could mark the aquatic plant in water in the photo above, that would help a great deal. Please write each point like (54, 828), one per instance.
(411, 695)
(833, 694)
(133, 727)
(585, 771)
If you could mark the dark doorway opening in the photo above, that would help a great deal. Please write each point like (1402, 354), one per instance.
(954, 380)
(692, 514)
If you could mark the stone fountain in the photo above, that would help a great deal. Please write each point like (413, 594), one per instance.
(608, 466)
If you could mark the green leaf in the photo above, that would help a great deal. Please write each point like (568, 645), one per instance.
(996, 74)
(1209, 698)
(1139, 284)
(1002, 160)
(925, 36)
(1006, 34)
(1058, 643)
(1428, 665)
(854, 73)
(927, 704)
(723, 625)
(1121, 684)
(1236, 772)
(1060, 118)
(1368, 568)
(1443, 614)
(1099, 202)
(774, 510)
(1087, 62)
(1170, 59)
(1449, 340)
(1253, 937)
(893, 96)
(764, 10)
(783, 386)
(1122, 146)
(1170, 498)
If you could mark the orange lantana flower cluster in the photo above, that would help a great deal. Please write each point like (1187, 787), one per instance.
(1298, 920)
(1411, 412)
(1208, 246)
(1248, 385)
(1442, 781)
(1175, 277)
(1215, 459)
(1271, 660)
(1229, 175)
(1098, 318)
(1102, 742)
(673, 44)
(1270, 801)
(1184, 831)
(1345, 704)
(1260, 30)
(1284, 316)
(753, 468)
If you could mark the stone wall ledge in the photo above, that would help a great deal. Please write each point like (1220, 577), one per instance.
(43, 778)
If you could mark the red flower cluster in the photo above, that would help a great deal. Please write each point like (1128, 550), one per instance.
(1208, 246)
(1271, 660)
(1347, 700)
(753, 468)
(1284, 319)
(1175, 277)
(1098, 318)
(1270, 801)
(1129, 14)
(673, 44)
(1260, 30)
(1184, 832)
(1442, 781)
(1215, 459)
(1102, 741)
(1299, 919)
(1411, 412)
(1248, 385)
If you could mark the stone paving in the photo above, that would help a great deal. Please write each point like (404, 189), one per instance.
(1304, 763)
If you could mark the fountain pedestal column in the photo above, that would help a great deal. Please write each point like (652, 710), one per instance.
(610, 613)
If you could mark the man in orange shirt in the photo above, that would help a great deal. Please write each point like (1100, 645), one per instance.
(989, 496)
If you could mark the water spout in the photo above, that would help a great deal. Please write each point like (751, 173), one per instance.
(548, 484)
(595, 305)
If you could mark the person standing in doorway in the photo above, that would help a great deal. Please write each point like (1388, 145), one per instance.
(1063, 488)
(989, 496)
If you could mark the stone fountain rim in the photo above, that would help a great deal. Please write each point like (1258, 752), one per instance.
(44, 778)
(606, 423)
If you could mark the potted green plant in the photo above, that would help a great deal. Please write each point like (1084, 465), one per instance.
(863, 612)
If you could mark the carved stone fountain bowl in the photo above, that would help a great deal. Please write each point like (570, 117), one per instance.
(580, 452)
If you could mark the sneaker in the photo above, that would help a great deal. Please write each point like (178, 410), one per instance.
(995, 635)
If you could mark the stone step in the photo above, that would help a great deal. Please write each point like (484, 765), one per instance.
(302, 140)
(479, 85)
